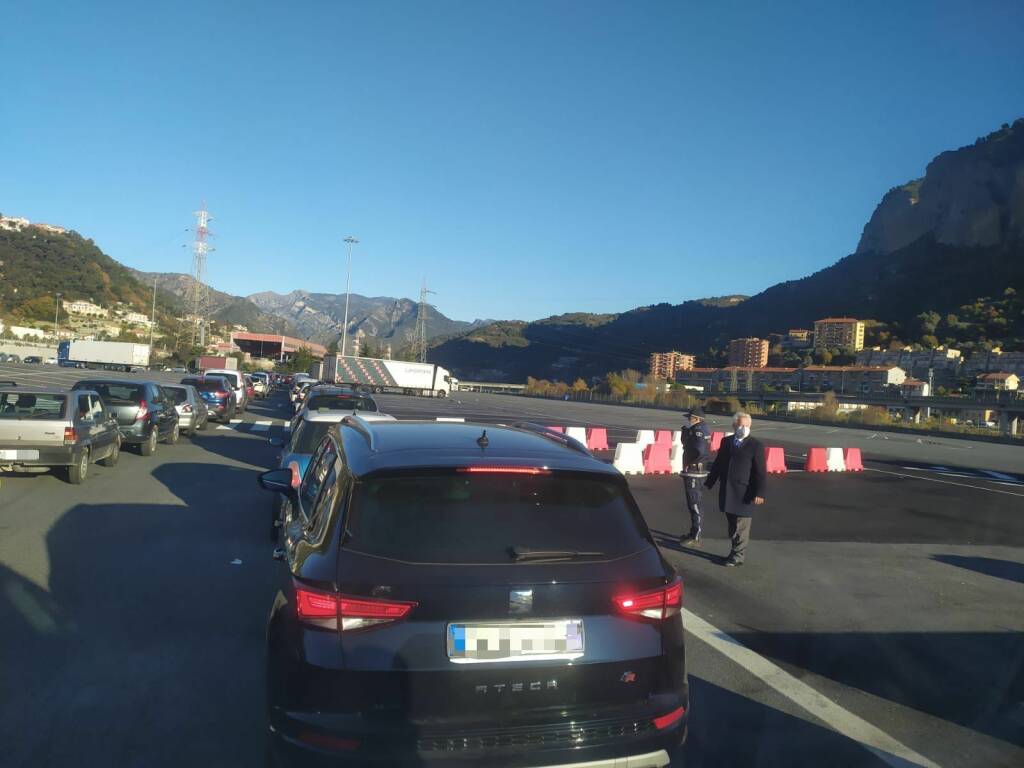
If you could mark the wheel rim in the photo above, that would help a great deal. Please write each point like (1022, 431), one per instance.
(152, 440)
(83, 465)
(175, 434)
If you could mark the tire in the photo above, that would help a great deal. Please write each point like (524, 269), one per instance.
(77, 472)
(172, 439)
(148, 448)
(112, 459)
(202, 424)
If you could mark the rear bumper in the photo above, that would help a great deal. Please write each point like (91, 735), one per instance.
(38, 456)
(136, 433)
(296, 741)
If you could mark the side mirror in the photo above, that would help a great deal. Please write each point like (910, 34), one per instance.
(278, 480)
(277, 442)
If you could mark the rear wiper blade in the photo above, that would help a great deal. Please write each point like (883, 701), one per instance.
(522, 554)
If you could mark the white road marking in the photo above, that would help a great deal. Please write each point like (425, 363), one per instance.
(841, 720)
(261, 426)
(946, 482)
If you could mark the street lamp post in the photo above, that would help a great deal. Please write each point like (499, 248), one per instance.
(152, 319)
(56, 315)
(348, 290)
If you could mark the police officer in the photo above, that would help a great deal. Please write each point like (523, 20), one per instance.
(696, 456)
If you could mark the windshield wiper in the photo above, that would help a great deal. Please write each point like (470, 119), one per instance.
(524, 554)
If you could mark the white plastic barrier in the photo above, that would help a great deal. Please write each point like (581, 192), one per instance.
(629, 458)
(577, 433)
(677, 437)
(450, 418)
(644, 437)
(834, 460)
(676, 459)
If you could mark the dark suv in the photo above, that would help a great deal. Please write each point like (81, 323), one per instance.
(462, 594)
(144, 414)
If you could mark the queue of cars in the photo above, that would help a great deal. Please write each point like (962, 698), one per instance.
(47, 428)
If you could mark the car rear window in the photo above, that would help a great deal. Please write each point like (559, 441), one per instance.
(308, 435)
(118, 394)
(478, 518)
(31, 405)
(176, 395)
(340, 403)
(209, 385)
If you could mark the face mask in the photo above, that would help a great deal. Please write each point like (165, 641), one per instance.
(742, 432)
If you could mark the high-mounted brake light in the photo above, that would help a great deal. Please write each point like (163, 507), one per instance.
(143, 411)
(479, 470)
(325, 609)
(70, 435)
(659, 603)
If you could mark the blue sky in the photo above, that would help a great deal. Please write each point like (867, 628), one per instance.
(525, 158)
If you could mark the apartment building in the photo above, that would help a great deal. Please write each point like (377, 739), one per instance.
(849, 379)
(665, 365)
(841, 332)
(86, 308)
(997, 382)
(748, 353)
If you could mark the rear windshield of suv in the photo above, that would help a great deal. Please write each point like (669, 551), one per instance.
(459, 518)
(118, 394)
(340, 403)
(30, 405)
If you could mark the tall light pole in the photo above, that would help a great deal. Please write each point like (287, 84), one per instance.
(56, 314)
(152, 318)
(348, 290)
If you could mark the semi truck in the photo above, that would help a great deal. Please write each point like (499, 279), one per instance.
(426, 379)
(109, 355)
(220, 362)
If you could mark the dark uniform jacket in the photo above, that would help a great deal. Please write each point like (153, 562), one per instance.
(742, 474)
(696, 451)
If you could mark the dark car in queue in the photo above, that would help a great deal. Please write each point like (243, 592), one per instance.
(190, 405)
(143, 413)
(218, 395)
(46, 428)
(469, 595)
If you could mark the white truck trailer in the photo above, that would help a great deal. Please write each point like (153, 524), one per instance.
(426, 379)
(112, 355)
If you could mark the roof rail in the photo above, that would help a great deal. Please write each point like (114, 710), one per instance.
(557, 437)
(362, 426)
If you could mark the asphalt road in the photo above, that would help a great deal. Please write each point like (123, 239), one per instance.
(877, 619)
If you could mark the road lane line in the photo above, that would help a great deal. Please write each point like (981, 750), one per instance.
(888, 749)
(261, 426)
(945, 482)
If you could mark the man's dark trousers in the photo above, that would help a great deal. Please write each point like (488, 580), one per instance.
(739, 533)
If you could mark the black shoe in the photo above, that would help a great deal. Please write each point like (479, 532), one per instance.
(690, 540)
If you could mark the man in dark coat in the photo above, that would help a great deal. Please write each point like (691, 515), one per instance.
(740, 466)
(696, 457)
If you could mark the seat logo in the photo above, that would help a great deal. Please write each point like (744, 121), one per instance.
(520, 602)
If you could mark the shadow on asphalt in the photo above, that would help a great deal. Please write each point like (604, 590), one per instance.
(975, 679)
(727, 729)
(990, 566)
(148, 647)
(671, 541)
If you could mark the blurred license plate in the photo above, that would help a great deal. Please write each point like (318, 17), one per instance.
(515, 641)
(24, 455)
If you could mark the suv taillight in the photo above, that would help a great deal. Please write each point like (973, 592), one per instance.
(659, 603)
(220, 395)
(325, 609)
(143, 411)
(70, 436)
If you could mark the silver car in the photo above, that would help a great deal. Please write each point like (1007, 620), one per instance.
(43, 428)
(193, 414)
